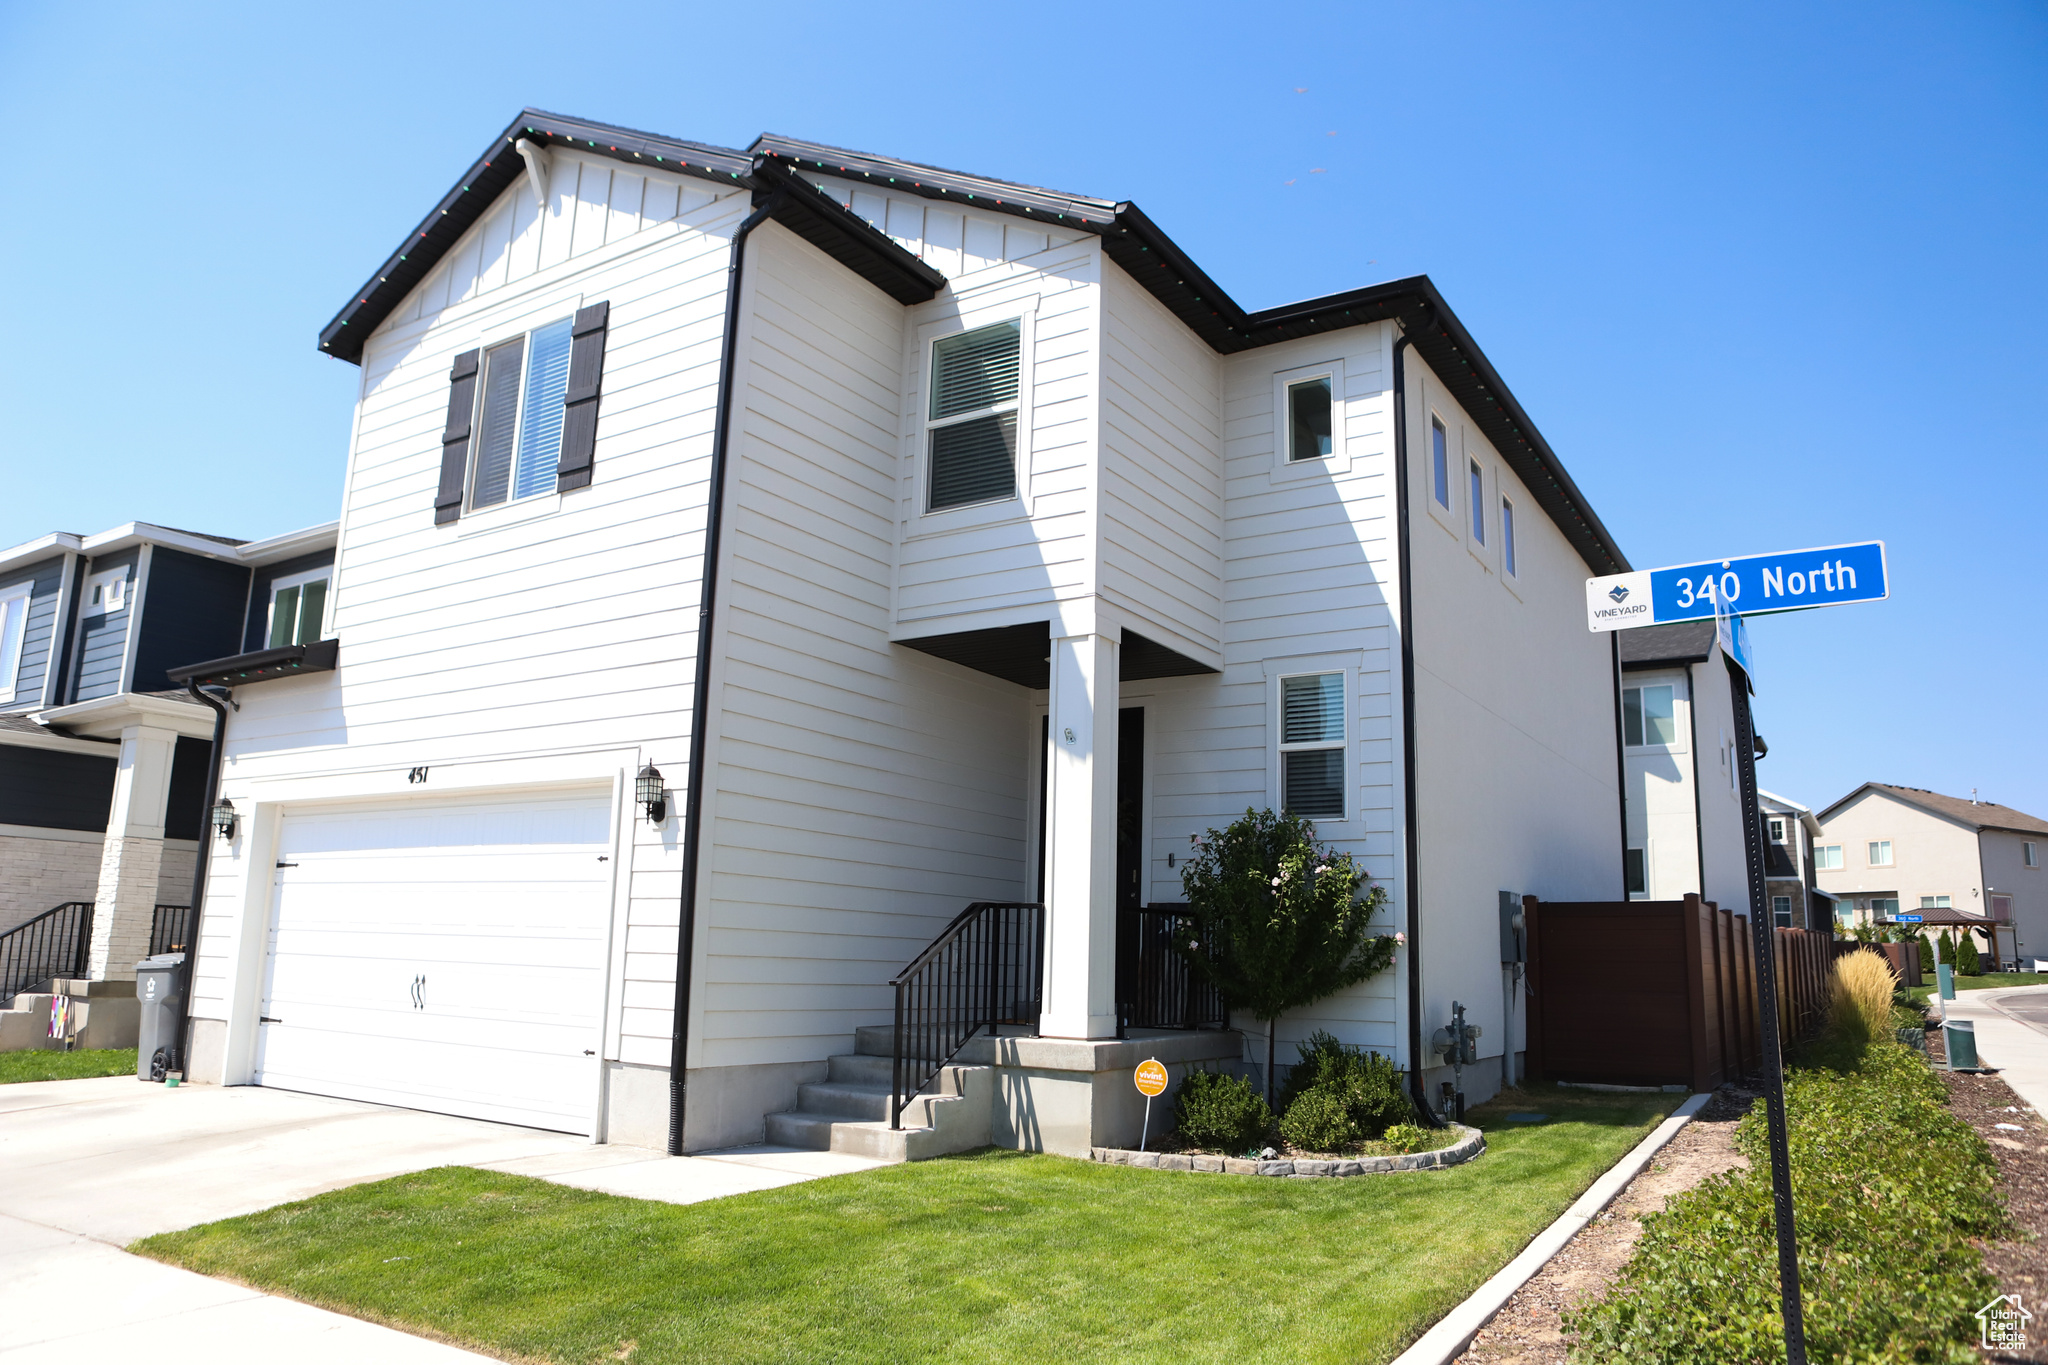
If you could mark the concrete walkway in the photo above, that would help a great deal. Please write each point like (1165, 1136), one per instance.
(2012, 1035)
(88, 1166)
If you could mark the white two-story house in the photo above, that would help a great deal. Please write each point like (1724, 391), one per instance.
(934, 540)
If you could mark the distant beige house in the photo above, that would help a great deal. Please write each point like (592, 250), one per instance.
(1884, 850)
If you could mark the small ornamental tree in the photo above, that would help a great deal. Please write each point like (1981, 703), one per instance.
(1277, 921)
(1967, 961)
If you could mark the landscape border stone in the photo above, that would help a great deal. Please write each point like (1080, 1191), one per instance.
(1469, 1145)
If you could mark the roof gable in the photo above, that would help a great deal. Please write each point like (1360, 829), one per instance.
(1977, 815)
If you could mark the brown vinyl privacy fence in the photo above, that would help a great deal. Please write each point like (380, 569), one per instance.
(1659, 992)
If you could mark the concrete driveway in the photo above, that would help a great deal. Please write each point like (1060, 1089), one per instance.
(88, 1166)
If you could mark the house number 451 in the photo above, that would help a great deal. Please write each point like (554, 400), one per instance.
(416, 776)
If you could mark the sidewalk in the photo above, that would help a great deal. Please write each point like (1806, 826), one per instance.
(88, 1166)
(2012, 1035)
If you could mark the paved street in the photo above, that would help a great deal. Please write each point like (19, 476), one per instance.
(88, 1166)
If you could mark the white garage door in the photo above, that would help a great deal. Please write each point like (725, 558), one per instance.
(445, 955)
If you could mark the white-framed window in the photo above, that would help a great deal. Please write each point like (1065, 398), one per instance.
(1880, 853)
(1649, 716)
(106, 592)
(1635, 865)
(1439, 463)
(1777, 829)
(14, 604)
(972, 414)
(2030, 853)
(1312, 745)
(298, 606)
(1827, 857)
(1781, 911)
(1507, 537)
(1887, 906)
(1476, 478)
(1311, 420)
(518, 431)
(1936, 903)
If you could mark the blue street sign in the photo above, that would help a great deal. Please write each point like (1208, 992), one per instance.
(1788, 581)
(1910, 919)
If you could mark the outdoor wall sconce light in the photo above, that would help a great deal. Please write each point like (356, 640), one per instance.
(224, 818)
(653, 797)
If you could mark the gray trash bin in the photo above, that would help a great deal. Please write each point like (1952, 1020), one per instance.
(157, 981)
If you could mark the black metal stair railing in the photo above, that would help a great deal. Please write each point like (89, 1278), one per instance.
(170, 929)
(985, 970)
(53, 944)
(1154, 986)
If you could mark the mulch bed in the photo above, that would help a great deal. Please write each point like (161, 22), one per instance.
(2021, 1265)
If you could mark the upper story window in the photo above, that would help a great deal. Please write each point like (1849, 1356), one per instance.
(14, 603)
(106, 592)
(1649, 715)
(1880, 853)
(1936, 903)
(1507, 537)
(519, 416)
(971, 421)
(1777, 830)
(1310, 427)
(1312, 745)
(2030, 854)
(1440, 463)
(297, 606)
(1478, 481)
(1827, 857)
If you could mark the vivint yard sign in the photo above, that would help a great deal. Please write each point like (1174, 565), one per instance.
(1788, 581)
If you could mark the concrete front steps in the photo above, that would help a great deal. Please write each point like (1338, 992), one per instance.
(848, 1111)
(25, 1026)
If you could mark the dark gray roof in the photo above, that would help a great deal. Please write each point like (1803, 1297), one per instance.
(1681, 642)
(1977, 814)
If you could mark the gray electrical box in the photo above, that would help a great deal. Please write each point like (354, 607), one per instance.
(156, 990)
(1513, 932)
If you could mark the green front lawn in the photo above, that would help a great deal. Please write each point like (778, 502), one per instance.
(66, 1066)
(991, 1256)
(1991, 981)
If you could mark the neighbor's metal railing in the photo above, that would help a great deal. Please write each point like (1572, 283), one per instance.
(986, 969)
(170, 929)
(1155, 987)
(53, 944)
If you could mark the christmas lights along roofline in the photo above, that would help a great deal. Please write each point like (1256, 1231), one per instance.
(1130, 238)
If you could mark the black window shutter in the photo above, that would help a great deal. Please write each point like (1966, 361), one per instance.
(579, 402)
(455, 438)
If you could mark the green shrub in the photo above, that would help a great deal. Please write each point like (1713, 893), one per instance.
(1948, 949)
(1889, 1188)
(1219, 1111)
(1320, 1121)
(1406, 1137)
(1968, 963)
(1364, 1083)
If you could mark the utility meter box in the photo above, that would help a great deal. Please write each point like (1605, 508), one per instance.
(157, 988)
(1513, 931)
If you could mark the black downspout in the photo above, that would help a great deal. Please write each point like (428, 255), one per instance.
(1621, 778)
(179, 1063)
(1410, 834)
(700, 706)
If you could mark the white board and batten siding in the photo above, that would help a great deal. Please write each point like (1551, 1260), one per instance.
(863, 794)
(557, 625)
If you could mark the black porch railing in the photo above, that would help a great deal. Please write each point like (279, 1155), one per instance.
(53, 944)
(1154, 986)
(986, 969)
(170, 929)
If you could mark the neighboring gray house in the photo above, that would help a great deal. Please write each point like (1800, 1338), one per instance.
(1030, 556)
(1884, 849)
(1789, 833)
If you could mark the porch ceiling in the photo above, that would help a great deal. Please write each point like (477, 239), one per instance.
(1021, 654)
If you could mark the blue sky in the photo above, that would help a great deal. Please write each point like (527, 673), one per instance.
(1766, 276)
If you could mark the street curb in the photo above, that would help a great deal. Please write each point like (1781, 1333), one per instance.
(1442, 1343)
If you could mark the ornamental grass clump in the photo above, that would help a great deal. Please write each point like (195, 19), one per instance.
(1277, 921)
(1890, 1190)
(1223, 1113)
(1860, 989)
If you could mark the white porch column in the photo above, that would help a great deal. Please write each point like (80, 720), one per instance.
(1080, 837)
(132, 857)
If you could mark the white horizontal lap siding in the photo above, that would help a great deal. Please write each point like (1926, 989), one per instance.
(864, 794)
(950, 565)
(507, 634)
(1162, 467)
(1515, 727)
(1308, 573)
